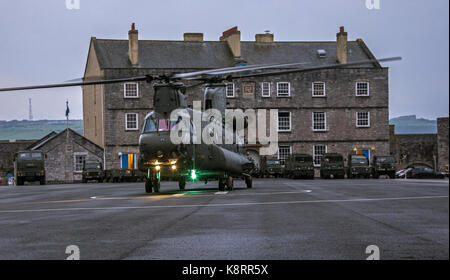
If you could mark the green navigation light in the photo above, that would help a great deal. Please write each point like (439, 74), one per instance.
(193, 175)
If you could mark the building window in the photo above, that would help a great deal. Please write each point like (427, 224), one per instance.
(131, 121)
(130, 90)
(318, 152)
(283, 89)
(265, 89)
(230, 90)
(362, 89)
(283, 153)
(319, 121)
(318, 89)
(80, 159)
(362, 119)
(284, 121)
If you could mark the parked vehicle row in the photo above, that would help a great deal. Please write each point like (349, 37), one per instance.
(94, 171)
(420, 172)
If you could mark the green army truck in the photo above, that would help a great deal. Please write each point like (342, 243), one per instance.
(332, 164)
(93, 170)
(358, 166)
(299, 166)
(30, 167)
(271, 167)
(383, 165)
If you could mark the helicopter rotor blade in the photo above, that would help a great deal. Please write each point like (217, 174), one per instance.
(330, 66)
(221, 71)
(83, 83)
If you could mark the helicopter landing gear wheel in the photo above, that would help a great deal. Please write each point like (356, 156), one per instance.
(249, 182)
(148, 185)
(229, 183)
(222, 182)
(181, 183)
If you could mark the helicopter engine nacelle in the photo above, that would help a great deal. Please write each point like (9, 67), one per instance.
(168, 97)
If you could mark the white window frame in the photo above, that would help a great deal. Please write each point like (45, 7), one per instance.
(324, 90)
(125, 90)
(283, 94)
(226, 90)
(325, 121)
(290, 122)
(368, 89)
(262, 89)
(75, 155)
(290, 153)
(368, 119)
(126, 121)
(314, 154)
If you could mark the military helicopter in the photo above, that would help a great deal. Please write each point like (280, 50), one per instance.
(159, 154)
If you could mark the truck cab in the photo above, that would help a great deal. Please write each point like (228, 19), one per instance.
(358, 166)
(332, 164)
(30, 167)
(272, 167)
(383, 165)
(93, 170)
(299, 165)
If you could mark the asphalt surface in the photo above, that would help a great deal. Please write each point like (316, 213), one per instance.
(276, 219)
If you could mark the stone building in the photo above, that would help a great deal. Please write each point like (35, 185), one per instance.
(65, 153)
(341, 110)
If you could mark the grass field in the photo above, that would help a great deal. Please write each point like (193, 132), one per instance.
(24, 130)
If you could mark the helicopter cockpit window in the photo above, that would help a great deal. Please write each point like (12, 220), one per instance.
(150, 125)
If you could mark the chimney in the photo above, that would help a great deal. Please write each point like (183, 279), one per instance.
(341, 46)
(133, 45)
(193, 37)
(233, 37)
(267, 37)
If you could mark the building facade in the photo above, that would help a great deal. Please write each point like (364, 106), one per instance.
(342, 110)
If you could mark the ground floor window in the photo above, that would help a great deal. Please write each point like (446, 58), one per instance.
(318, 152)
(79, 159)
(283, 153)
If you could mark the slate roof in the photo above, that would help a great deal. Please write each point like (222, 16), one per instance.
(215, 54)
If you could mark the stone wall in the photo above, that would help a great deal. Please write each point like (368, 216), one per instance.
(442, 143)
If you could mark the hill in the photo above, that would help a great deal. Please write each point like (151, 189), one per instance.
(24, 130)
(413, 125)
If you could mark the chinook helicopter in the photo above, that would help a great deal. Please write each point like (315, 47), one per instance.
(191, 161)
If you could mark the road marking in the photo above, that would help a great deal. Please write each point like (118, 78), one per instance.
(226, 204)
(93, 197)
(221, 193)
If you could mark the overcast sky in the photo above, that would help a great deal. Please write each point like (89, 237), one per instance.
(44, 42)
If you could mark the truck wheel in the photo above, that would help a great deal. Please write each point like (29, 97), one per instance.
(84, 180)
(156, 186)
(249, 182)
(222, 184)
(19, 181)
(230, 183)
(42, 181)
(182, 183)
(148, 186)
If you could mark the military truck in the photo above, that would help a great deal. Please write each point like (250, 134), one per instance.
(271, 167)
(383, 165)
(93, 170)
(332, 164)
(299, 165)
(358, 166)
(30, 167)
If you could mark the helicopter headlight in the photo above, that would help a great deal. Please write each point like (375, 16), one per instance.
(157, 168)
(174, 167)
